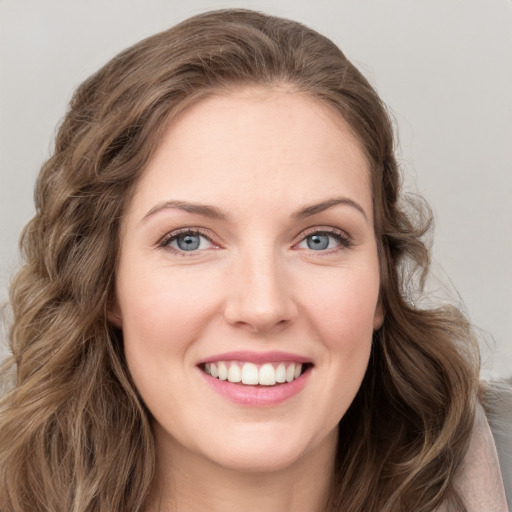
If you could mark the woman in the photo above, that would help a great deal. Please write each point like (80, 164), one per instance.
(215, 309)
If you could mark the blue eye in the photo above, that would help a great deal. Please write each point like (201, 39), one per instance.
(323, 240)
(318, 242)
(188, 241)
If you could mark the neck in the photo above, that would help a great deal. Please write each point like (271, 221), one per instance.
(188, 482)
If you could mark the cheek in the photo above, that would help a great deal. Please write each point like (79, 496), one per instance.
(163, 315)
(342, 319)
(343, 308)
(164, 311)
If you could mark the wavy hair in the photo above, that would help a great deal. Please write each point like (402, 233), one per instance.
(74, 434)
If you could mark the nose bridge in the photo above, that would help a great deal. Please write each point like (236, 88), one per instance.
(260, 295)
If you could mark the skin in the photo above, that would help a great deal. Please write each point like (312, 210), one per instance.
(258, 156)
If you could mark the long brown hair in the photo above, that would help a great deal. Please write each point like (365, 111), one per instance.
(74, 435)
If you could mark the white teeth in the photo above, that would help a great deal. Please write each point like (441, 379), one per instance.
(223, 370)
(234, 373)
(281, 373)
(249, 373)
(290, 373)
(267, 374)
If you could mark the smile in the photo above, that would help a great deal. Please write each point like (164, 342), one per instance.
(256, 379)
(252, 374)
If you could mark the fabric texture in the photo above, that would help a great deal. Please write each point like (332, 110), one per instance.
(480, 481)
(498, 408)
(485, 474)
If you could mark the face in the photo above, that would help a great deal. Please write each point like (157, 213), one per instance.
(248, 281)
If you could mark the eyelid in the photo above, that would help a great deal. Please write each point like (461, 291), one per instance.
(344, 238)
(164, 241)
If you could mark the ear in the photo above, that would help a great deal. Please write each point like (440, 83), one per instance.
(378, 317)
(114, 314)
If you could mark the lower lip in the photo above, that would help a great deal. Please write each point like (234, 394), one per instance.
(257, 396)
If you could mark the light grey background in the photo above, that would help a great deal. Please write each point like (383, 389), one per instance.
(443, 66)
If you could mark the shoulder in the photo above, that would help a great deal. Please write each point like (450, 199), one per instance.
(480, 481)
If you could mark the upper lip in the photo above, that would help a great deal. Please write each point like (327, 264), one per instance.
(256, 357)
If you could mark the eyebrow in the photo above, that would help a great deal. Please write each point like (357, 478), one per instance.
(199, 209)
(213, 212)
(308, 211)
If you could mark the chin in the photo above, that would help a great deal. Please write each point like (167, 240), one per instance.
(266, 450)
(252, 460)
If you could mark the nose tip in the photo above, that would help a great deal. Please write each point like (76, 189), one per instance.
(257, 320)
(260, 299)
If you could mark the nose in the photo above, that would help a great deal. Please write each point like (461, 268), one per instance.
(260, 295)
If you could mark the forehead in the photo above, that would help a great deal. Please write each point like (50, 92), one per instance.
(256, 142)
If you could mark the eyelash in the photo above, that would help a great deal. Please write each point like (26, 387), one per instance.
(341, 237)
(164, 243)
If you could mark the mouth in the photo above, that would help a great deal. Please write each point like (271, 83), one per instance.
(257, 379)
(266, 374)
